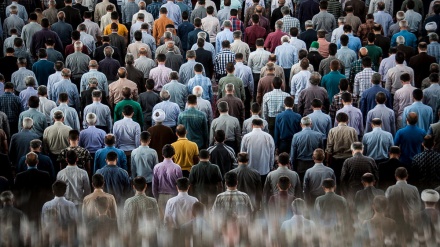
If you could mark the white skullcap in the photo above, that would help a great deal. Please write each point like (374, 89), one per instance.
(159, 115)
(430, 196)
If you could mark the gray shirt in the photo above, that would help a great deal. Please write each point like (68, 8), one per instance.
(326, 21)
(270, 185)
(313, 180)
(77, 181)
(144, 64)
(28, 31)
(247, 125)
(178, 93)
(70, 115)
(261, 149)
(78, 63)
(18, 78)
(227, 123)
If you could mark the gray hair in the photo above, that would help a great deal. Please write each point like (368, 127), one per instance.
(306, 121)
(174, 75)
(400, 15)
(376, 78)
(400, 40)
(78, 44)
(237, 34)
(129, 58)
(433, 36)
(403, 23)
(6, 196)
(93, 80)
(341, 19)
(91, 119)
(285, 38)
(29, 81)
(279, 25)
(229, 87)
(223, 106)
(28, 123)
(227, 23)
(197, 91)
(108, 51)
(356, 146)
(66, 72)
(164, 94)
(190, 54)
(285, 10)
(315, 78)
(201, 35)
(167, 35)
(308, 23)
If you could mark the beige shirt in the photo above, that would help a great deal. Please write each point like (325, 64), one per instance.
(393, 82)
(239, 46)
(339, 141)
(56, 138)
(402, 98)
(211, 25)
(115, 90)
(100, 10)
(89, 211)
(134, 49)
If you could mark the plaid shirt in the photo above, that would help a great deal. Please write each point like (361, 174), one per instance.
(236, 24)
(427, 166)
(235, 202)
(365, 29)
(153, 8)
(355, 68)
(10, 104)
(362, 81)
(289, 22)
(337, 104)
(353, 169)
(434, 50)
(222, 58)
(273, 103)
(140, 206)
(129, 9)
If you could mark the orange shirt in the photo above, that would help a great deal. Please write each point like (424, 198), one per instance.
(122, 30)
(159, 27)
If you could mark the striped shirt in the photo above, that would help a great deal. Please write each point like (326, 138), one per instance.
(223, 57)
(273, 103)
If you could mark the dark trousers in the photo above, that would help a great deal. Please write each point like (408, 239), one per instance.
(256, 80)
(271, 125)
(218, 77)
(104, 128)
(77, 82)
(301, 167)
(56, 165)
(286, 79)
(247, 103)
(128, 154)
(185, 173)
(336, 165)
(263, 180)
(284, 146)
(233, 145)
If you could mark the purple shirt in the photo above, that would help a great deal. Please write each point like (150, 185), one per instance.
(92, 139)
(161, 76)
(25, 95)
(165, 176)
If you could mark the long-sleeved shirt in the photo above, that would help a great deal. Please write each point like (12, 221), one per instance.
(347, 56)
(196, 124)
(211, 25)
(298, 83)
(66, 86)
(38, 118)
(260, 147)
(174, 12)
(143, 160)
(102, 112)
(326, 21)
(362, 81)
(165, 176)
(204, 82)
(94, 73)
(226, 34)
(229, 125)
(178, 210)
(67, 212)
(172, 112)
(101, 155)
(178, 93)
(287, 55)
(402, 98)
(258, 59)
(424, 113)
(386, 115)
(19, 76)
(92, 139)
(270, 186)
(160, 75)
(71, 118)
(245, 74)
(304, 144)
(273, 103)
(117, 182)
(287, 124)
(186, 71)
(355, 118)
(313, 180)
(339, 140)
(321, 122)
(127, 134)
(377, 143)
(77, 181)
(409, 139)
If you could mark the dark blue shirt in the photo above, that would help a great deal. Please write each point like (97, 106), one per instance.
(192, 37)
(101, 155)
(43, 69)
(410, 140)
(44, 164)
(287, 123)
(184, 28)
(368, 99)
(117, 182)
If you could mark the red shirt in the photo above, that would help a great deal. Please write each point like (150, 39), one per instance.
(273, 40)
(253, 33)
(70, 49)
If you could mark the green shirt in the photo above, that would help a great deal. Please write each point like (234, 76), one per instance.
(374, 52)
(238, 86)
(331, 83)
(137, 117)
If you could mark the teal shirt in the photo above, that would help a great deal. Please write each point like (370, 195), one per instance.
(137, 117)
(331, 83)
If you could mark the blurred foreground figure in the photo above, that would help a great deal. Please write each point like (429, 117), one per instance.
(13, 222)
(198, 232)
(428, 220)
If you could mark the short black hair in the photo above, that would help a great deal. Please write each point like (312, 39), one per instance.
(71, 157)
(220, 135)
(342, 117)
(59, 188)
(255, 107)
(328, 183)
(381, 97)
(316, 103)
(346, 97)
(139, 183)
(368, 178)
(231, 179)
(112, 156)
(400, 57)
(168, 151)
(284, 158)
(33, 102)
(98, 180)
(401, 173)
(128, 110)
(192, 99)
(149, 84)
(277, 82)
(243, 157)
(204, 154)
(417, 94)
(145, 136)
(284, 182)
(73, 135)
(288, 101)
(183, 183)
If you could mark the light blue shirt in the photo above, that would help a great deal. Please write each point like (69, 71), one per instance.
(102, 112)
(88, 41)
(354, 43)
(347, 56)
(39, 119)
(414, 19)
(304, 143)
(186, 71)
(383, 19)
(287, 55)
(424, 113)
(92, 139)
(25, 95)
(70, 116)
(355, 119)
(204, 82)
(67, 212)
(54, 78)
(298, 83)
(178, 93)
(172, 111)
(321, 122)
(226, 34)
(143, 160)
(377, 143)
(127, 133)
(174, 12)
(431, 96)
(66, 86)
(19, 76)
(22, 13)
(386, 115)
(245, 74)
(94, 73)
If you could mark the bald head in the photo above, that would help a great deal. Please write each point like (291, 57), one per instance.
(122, 72)
(93, 64)
(363, 52)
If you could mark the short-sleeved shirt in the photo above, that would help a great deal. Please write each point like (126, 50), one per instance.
(185, 151)
(82, 153)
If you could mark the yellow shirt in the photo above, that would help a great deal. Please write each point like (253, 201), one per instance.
(185, 151)
(122, 30)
